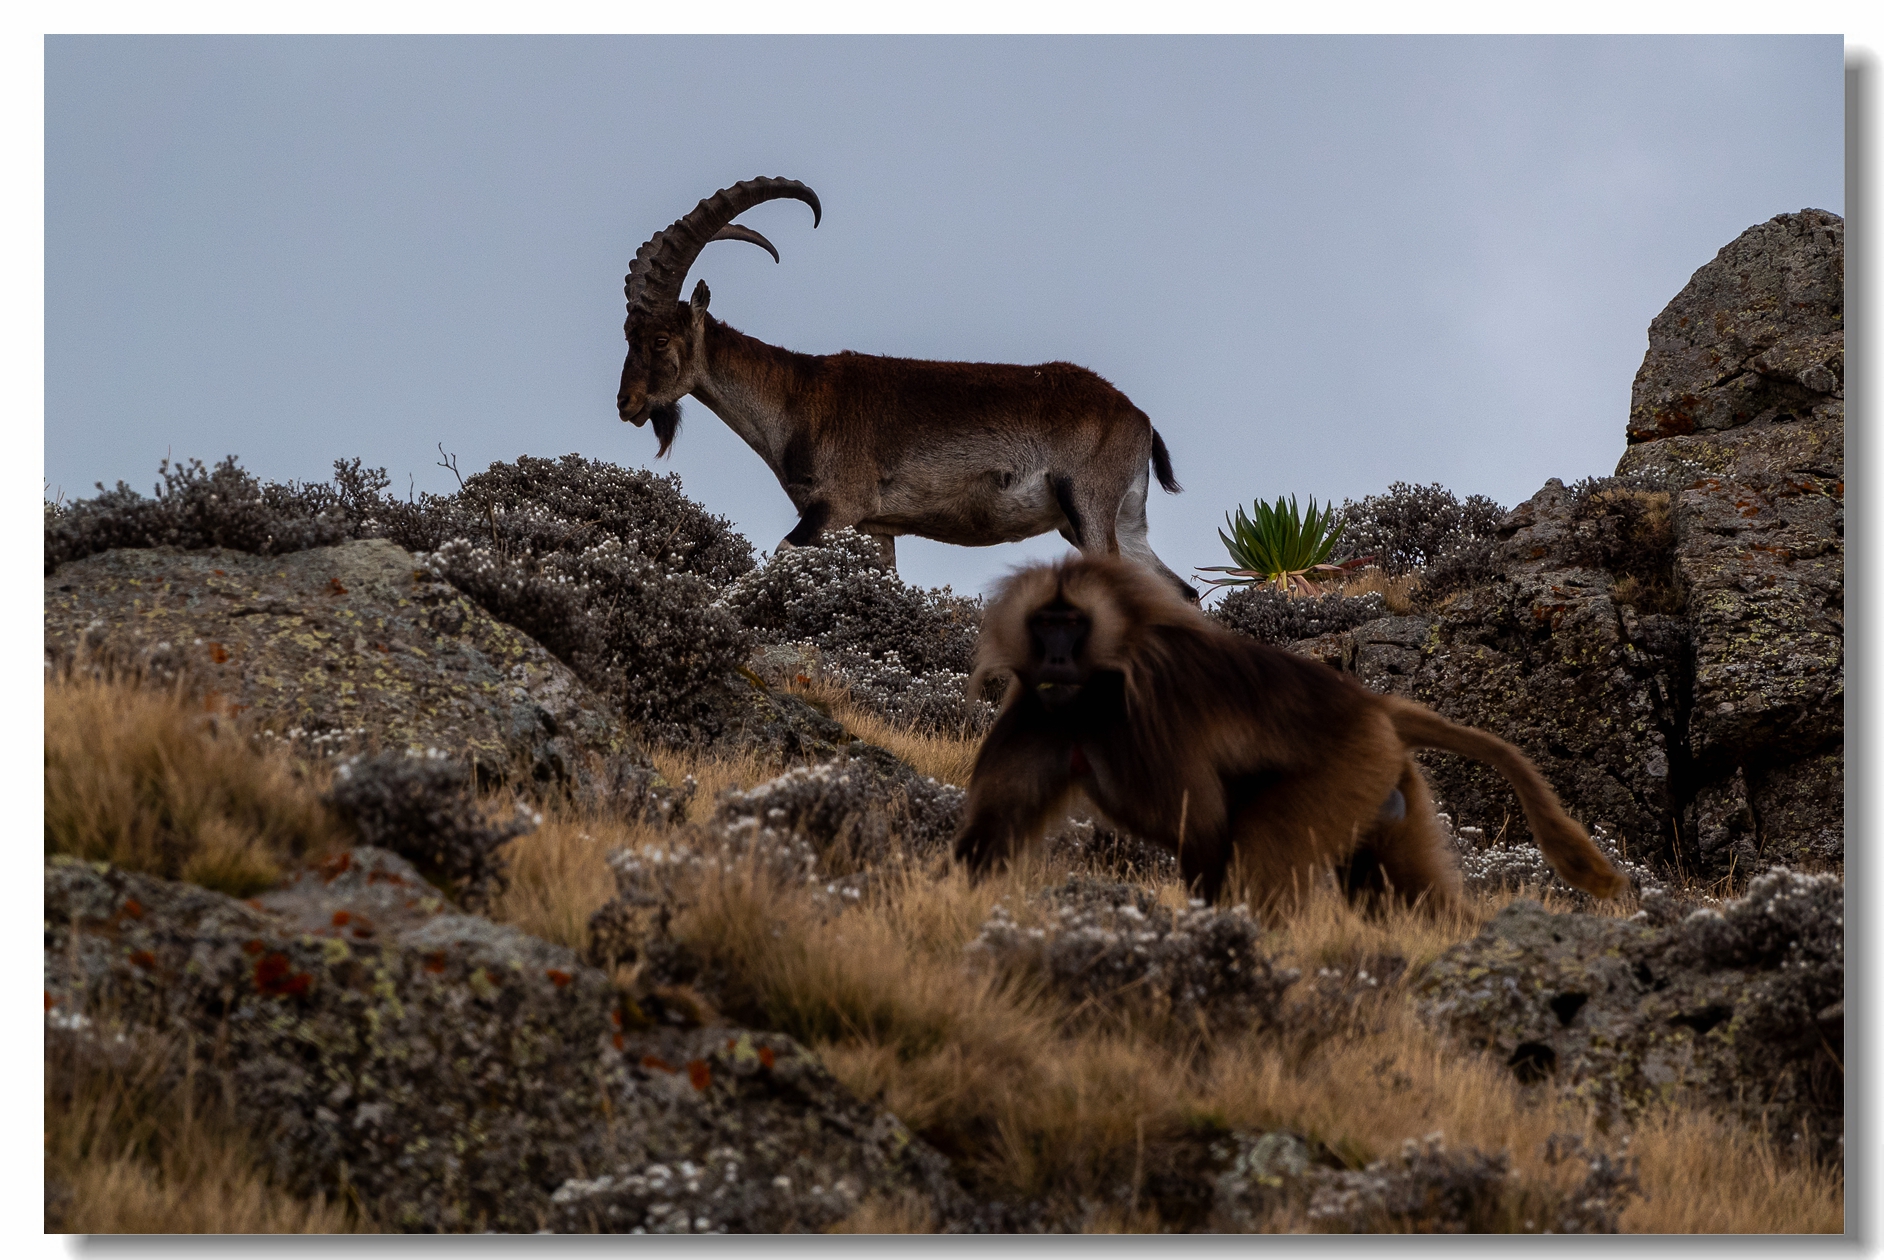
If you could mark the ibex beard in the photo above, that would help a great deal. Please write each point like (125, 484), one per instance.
(1258, 768)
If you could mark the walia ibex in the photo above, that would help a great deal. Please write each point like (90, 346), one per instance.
(967, 453)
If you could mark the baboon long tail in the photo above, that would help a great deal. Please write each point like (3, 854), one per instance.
(1566, 846)
(1161, 464)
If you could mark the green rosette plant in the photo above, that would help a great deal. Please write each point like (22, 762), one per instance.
(1280, 547)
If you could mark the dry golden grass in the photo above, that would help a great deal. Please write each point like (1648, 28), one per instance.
(147, 779)
(1700, 1176)
(944, 758)
(1026, 1100)
(136, 1153)
(1397, 591)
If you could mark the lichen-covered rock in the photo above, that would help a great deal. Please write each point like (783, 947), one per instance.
(779, 726)
(1384, 653)
(1744, 378)
(1762, 563)
(1757, 333)
(1426, 1187)
(728, 1131)
(425, 809)
(1543, 655)
(1799, 812)
(1739, 1008)
(1547, 661)
(447, 1074)
(335, 647)
(453, 1073)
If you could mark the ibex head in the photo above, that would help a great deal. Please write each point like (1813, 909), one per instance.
(664, 333)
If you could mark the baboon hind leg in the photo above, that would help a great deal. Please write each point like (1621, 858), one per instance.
(1413, 854)
(1282, 845)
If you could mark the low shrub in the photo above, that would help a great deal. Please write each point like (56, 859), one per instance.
(424, 808)
(613, 570)
(838, 596)
(1272, 616)
(1111, 949)
(1414, 527)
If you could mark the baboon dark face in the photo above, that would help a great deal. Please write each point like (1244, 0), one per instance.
(1060, 667)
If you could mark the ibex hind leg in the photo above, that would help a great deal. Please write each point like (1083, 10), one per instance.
(811, 523)
(1133, 530)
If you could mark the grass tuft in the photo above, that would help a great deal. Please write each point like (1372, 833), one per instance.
(145, 779)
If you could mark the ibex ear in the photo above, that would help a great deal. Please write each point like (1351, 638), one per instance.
(700, 299)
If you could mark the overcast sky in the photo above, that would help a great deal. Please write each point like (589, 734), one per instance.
(1319, 265)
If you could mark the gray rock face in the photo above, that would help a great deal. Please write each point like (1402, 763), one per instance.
(1550, 661)
(458, 1074)
(1757, 334)
(329, 646)
(1740, 1008)
(1670, 650)
(1745, 378)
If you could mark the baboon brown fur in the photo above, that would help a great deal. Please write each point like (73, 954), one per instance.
(1256, 766)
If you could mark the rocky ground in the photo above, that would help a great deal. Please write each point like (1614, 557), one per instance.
(1666, 644)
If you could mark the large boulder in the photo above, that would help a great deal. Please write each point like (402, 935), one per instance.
(1740, 1009)
(457, 1074)
(1744, 380)
(1757, 336)
(337, 646)
(1549, 659)
(1668, 644)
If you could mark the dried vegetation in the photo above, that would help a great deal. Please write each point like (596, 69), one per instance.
(1088, 1049)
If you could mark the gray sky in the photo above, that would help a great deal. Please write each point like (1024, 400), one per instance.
(1319, 265)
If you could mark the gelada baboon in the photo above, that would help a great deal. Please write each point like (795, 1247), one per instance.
(1253, 764)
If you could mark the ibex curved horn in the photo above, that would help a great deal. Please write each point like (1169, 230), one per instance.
(740, 232)
(653, 282)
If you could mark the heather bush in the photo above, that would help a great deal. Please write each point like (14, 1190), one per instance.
(902, 651)
(1112, 948)
(1414, 527)
(1625, 526)
(196, 507)
(838, 596)
(573, 504)
(650, 641)
(1487, 867)
(425, 809)
(934, 703)
(613, 570)
(856, 810)
(1272, 616)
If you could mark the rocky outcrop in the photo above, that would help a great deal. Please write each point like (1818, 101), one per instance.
(335, 647)
(358, 645)
(1668, 645)
(1757, 336)
(458, 1074)
(1745, 378)
(1740, 1008)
